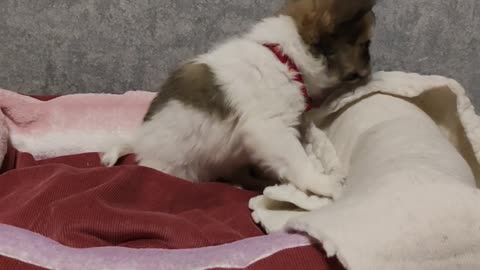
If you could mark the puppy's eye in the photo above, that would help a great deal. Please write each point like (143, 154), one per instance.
(325, 49)
(328, 51)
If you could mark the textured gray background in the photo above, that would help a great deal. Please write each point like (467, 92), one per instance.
(64, 46)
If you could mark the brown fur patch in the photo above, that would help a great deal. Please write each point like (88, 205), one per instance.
(318, 18)
(339, 30)
(312, 17)
(194, 85)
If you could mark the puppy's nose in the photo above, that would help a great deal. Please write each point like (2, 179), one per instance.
(353, 76)
(364, 73)
(356, 75)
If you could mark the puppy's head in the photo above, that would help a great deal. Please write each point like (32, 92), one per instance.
(339, 31)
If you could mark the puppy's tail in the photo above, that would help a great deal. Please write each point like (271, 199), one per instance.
(118, 150)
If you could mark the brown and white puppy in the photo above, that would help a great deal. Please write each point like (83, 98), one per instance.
(243, 102)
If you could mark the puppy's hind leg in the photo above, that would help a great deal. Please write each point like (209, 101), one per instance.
(111, 157)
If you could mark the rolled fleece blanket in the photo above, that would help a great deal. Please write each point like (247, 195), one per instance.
(410, 145)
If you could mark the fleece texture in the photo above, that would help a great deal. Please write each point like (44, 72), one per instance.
(410, 145)
(71, 124)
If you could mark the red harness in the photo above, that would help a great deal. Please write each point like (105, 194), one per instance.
(275, 48)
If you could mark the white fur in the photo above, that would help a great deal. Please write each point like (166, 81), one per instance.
(267, 105)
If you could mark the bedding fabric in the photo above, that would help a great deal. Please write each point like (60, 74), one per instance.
(409, 143)
(60, 209)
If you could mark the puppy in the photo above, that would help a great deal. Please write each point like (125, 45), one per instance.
(243, 102)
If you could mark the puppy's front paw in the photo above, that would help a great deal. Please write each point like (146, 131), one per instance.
(108, 159)
(327, 185)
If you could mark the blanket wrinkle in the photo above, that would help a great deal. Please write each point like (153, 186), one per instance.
(3, 138)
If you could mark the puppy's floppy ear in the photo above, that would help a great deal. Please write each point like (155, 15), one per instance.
(345, 11)
(316, 18)
(312, 17)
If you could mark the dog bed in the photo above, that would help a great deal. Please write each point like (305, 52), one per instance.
(410, 201)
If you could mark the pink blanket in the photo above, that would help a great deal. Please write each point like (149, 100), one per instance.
(69, 124)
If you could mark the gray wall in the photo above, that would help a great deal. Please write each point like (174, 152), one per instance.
(64, 46)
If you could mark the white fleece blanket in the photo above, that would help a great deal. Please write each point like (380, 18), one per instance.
(411, 147)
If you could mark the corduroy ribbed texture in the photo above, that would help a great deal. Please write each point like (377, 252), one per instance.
(75, 201)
